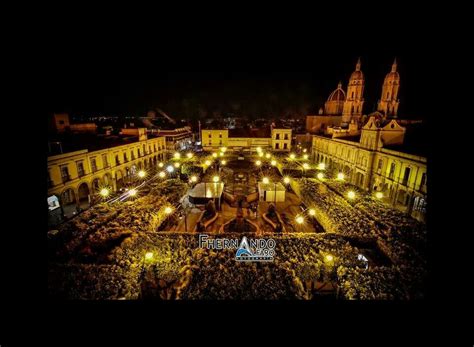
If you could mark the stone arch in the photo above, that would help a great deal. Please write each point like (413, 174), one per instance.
(119, 179)
(83, 193)
(107, 179)
(68, 202)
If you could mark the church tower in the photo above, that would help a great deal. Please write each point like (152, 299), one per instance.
(388, 103)
(352, 109)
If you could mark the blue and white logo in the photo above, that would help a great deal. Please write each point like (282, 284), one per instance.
(263, 250)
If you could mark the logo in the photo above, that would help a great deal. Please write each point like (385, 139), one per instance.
(247, 250)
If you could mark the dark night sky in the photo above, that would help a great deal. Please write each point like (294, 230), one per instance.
(182, 93)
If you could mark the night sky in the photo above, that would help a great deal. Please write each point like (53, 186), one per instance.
(255, 91)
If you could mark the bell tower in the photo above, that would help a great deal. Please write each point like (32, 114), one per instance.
(354, 103)
(388, 103)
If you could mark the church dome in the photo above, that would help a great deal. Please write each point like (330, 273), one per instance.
(393, 75)
(338, 94)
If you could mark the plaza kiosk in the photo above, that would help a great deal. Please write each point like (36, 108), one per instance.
(271, 192)
(204, 192)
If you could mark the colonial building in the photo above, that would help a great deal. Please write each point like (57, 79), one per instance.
(381, 159)
(247, 140)
(75, 174)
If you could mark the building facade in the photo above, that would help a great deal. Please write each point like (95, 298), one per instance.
(278, 140)
(75, 176)
(367, 164)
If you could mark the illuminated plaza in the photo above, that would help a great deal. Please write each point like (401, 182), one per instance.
(343, 199)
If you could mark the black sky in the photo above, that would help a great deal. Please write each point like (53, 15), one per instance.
(252, 89)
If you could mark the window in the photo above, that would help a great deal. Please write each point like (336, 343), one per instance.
(392, 171)
(220, 136)
(125, 159)
(277, 146)
(210, 135)
(423, 180)
(139, 153)
(132, 154)
(286, 136)
(154, 148)
(105, 160)
(61, 122)
(93, 165)
(406, 176)
(285, 146)
(80, 168)
(277, 136)
(210, 142)
(117, 161)
(379, 166)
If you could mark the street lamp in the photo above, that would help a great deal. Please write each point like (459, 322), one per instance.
(132, 192)
(273, 162)
(189, 155)
(168, 210)
(312, 212)
(149, 256)
(329, 258)
(176, 165)
(260, 154)
(299, 219)
(305, 157)
(306, 166)
(104, 192)
(351, 195)
(379, 195)
(259, 149)
(265, 180)
(267, 155)
(340, 176)
(320, 175)
(286, 180)
(292, 156)
(258, 163)
(170, 169)
(177, 155)
(223, 162)
(161, 164)
(162, 174)
(321, 166)
(141, 174)
(214, 155)
(194, 179)
(215, 179)
(207, 162)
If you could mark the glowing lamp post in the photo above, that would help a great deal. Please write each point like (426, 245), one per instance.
(379, 195)
(340, 176)
(351, 195)
(299, 219)
(320, 176)
(141, 174)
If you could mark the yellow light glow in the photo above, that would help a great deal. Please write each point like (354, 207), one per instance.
(320, 175)
(351, 194)
(340, 176)
(168, 210)
(299, 219)
(304, 150)
(265, 180)
(258, 163)
(223, 149)
(379, 195)
(215, 179)
(132, 192)
(141, 174)
(286, 180)
(162, 174)
(329, 258)
(260, 154)
(214, 155)
(267, 155)
(207, 162)
(305, 166)
(305, 157)
(149, 256)
(259, 149)
(221, 154)
(176, 165)
(161, 164)
(104, 192)
(194, 178)
(312, 211)
(292, 156)
(321, 166)
(273, 162)
(177, 155)
(189, 155)
(223, 162)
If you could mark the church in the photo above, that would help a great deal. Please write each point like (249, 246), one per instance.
(343, 110)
